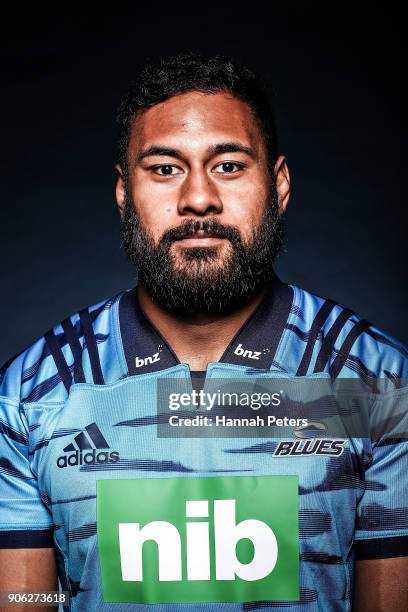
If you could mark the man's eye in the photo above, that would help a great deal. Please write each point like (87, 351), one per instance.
(165, 170)
(229, 167)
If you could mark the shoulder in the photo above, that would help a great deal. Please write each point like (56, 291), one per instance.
(343, 341)
(71, 351)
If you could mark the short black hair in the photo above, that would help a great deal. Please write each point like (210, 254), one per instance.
(193, 71)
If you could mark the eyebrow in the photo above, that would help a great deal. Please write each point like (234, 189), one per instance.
(213, 150)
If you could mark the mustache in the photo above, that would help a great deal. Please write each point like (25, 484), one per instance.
(210, 227)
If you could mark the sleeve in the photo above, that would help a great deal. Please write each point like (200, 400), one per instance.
(382, 513)
(25, 521)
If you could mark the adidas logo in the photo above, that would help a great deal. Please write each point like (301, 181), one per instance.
(84, 449)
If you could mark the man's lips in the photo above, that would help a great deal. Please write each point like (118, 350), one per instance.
(200, 238)
(200, 241)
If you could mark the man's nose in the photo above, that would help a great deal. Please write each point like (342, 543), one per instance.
(199, 195)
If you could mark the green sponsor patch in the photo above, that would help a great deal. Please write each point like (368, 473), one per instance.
(183, 540)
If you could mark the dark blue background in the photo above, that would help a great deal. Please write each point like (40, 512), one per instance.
(338, 77)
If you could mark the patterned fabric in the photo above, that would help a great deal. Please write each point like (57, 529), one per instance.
(88, 388)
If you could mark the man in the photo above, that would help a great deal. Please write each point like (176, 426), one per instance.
(138, 519)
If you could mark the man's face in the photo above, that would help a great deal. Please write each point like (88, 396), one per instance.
(200, 212)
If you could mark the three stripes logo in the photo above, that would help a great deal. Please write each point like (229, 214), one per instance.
(86, 449)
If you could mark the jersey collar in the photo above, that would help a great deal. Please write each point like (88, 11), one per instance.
(254, 345)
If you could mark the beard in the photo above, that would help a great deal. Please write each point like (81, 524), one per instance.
(205, 280)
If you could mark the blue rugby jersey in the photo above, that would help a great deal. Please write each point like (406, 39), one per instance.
(88, 388)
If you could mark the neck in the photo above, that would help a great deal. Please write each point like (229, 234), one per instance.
(199, 339)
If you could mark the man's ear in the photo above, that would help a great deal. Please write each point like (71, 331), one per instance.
(282, 182)
(120, 190)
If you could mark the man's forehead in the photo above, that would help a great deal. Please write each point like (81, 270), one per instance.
(195, 120)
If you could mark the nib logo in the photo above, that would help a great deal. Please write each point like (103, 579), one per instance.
(84, 449)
